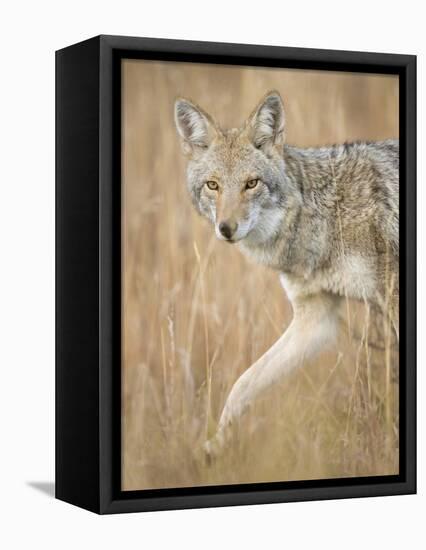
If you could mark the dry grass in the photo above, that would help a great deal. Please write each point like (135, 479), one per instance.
(196, 314)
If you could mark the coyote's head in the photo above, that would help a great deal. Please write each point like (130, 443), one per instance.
(236, 177)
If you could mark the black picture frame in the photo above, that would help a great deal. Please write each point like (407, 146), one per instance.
(88, 273)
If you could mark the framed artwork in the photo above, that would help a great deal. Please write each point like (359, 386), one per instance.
(236, 282)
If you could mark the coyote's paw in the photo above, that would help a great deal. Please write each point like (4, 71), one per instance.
(212, 450)
(209, 453)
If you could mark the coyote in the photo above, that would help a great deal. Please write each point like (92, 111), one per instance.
(326, 219)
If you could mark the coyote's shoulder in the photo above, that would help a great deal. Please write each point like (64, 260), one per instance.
(351, 183)
(342, 237)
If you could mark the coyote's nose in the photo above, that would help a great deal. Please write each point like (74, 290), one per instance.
(227, 229)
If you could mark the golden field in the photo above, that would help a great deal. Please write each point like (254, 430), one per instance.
(196, 314)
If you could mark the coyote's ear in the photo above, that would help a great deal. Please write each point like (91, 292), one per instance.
(195, 127)
(265, 125)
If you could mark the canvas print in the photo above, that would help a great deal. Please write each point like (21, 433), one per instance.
(260, 275)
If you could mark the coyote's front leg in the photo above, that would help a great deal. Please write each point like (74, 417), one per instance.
(314, 325)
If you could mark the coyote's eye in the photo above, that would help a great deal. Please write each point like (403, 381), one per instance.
(251, 184)
(212, 185)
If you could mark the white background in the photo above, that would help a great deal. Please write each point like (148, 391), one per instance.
(30, 31)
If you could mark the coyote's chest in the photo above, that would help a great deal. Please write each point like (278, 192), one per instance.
(351, 276)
